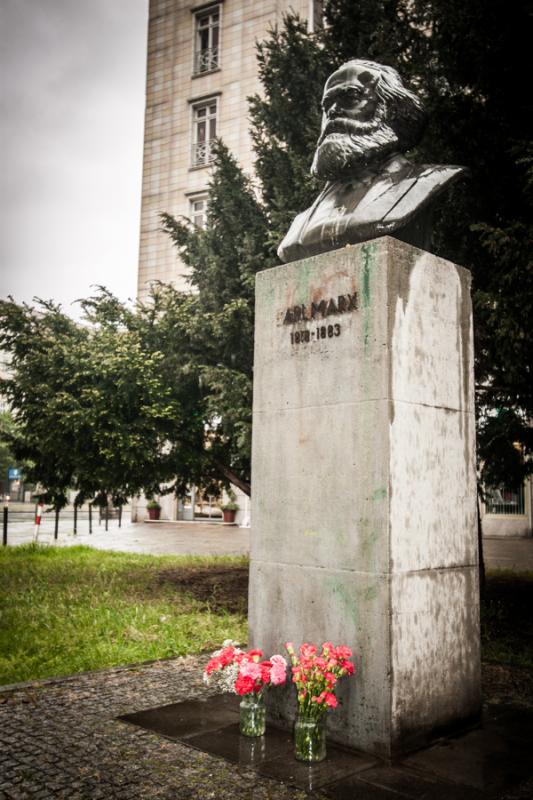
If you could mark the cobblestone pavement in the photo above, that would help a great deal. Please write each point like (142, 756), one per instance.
(62, 740)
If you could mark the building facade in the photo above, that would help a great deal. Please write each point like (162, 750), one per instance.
(201, 68)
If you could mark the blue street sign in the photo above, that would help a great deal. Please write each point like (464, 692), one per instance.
(14, 473)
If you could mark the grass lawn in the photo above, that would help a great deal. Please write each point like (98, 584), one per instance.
(66, 610)
(507, 618)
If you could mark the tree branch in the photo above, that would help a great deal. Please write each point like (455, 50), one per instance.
(233, 478)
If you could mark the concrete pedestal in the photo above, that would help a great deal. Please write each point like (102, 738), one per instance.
(364, 487)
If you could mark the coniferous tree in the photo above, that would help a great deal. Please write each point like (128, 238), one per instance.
(224, 259)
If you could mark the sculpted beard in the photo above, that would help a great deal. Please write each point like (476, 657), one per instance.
(345, 145)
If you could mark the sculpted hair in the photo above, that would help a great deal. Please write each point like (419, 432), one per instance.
(403, 109)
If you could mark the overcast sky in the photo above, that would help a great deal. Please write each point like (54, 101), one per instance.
(72, 103)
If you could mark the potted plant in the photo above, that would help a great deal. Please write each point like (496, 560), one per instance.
(154, 509)
(229, 510)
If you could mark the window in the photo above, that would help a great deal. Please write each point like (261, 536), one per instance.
(503, 500)
(314, 16)
(204, 131)
(198, 210)
(206, 40)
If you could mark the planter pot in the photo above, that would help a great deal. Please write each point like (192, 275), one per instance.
(229, 516)
(310, 738)
(252, 720)
(154, 513)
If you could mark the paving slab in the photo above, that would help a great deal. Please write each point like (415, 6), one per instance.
(190, 718)
(245, 751)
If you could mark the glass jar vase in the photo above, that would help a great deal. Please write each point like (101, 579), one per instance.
(310, 738)
(252, 715)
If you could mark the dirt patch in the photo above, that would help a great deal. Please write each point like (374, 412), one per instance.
(219, 588)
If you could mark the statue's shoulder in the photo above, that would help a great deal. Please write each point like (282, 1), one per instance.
(414, 187)
(434, 177)
(353, 210)
(420, 183)
(292, 247)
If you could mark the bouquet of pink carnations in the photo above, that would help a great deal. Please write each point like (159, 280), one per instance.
(242, 672)
(316, 674)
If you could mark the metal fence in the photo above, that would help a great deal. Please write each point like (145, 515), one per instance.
(47, 519)
(505, 500)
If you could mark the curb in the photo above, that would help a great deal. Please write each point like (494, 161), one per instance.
(35, 684)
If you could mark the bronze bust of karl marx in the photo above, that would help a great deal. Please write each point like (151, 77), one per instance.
(369, 119)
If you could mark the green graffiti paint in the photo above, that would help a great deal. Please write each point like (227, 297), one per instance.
(342, 537)
(368, 254)
(368, 251)
(348, 600)
(379, 494)
(304, 279)
(351, 601)
(369, 553)
(370, 594)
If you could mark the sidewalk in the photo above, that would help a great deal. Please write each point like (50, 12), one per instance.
(155, 538)
(513, 554)
(64, 739)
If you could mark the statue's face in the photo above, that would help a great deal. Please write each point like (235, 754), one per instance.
(354, 128)
(349, 95)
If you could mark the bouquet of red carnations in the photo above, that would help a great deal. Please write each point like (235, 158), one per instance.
(316, 674)
(242, 672)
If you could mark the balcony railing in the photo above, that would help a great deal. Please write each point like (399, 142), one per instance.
(206, 60)
(202, 153)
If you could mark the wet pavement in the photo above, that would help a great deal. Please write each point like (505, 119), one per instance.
(155, 731)
(483, 762)
(207, 538)
(155, 538)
